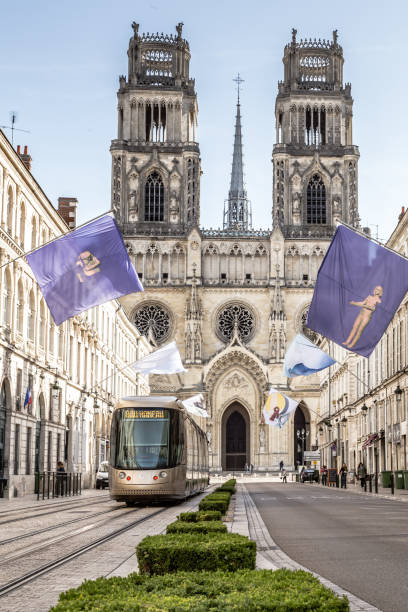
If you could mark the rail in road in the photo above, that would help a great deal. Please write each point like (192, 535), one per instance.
(33, 571)
(45, 509)
(357, 541)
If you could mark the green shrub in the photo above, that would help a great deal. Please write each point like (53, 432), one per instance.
(194, 517)
(222, 492)
(177, 552)
(199, 527)
(221, 505)
(241, 591)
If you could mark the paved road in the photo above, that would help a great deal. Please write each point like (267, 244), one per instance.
(357, 542)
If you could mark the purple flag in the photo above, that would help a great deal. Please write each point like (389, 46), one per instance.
(83, 269)
(359, 287)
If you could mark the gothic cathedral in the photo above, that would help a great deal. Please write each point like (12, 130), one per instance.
(232, 298)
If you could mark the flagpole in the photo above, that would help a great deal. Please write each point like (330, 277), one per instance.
(372, 239)
(54, 239)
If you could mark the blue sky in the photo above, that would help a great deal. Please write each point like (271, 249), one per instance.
(59, 68)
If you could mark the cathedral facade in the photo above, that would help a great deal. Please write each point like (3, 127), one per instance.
(232, 298)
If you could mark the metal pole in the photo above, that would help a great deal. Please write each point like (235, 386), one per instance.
(392, 483)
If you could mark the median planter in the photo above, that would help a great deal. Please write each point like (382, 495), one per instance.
(221, 505)
(199, 527)
(241, 591)
(177, 552)
(194, 517)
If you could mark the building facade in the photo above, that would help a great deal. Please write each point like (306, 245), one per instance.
(67, 371)
(232, 298)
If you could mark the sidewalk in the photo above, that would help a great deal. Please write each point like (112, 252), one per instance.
(383, 492)
(30, 501)
(247, 521)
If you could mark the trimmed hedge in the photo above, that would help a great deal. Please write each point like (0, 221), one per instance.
(221, 505)
(200, 527)
(194, 517)
(203, 551)
(242, 591)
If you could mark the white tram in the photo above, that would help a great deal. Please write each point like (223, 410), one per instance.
(157, 451)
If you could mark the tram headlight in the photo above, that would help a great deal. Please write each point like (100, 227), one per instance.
(155, 477)
(163, 474)
(122, 475)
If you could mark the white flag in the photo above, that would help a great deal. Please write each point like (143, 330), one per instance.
(166, 360)
(195, 405)
(304, 358)
(278, 408)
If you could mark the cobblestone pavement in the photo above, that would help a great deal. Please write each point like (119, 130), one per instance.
(114, 558)
(247, 521)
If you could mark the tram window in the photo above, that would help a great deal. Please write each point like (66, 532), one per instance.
(147, 439)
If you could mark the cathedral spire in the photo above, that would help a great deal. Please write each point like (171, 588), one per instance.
(237, 209)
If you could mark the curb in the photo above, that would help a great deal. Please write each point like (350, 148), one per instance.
(247, 521)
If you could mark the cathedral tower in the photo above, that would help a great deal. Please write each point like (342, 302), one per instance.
(314, 158)
(155, 157)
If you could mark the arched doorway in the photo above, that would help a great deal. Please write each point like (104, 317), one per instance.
(235, 438)
(301, 434)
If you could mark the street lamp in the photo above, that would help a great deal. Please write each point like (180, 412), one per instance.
(364, 407)
(398, 392)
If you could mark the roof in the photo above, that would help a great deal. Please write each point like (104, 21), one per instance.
(147, 401)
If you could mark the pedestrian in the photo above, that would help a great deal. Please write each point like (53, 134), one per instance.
(362, 474)
(246, 467)
(60, 478)
(280, 465)
(284, 475)
(324, 475)
(252, 468)
(343, 476)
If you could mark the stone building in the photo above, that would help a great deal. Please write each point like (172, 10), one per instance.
(364, 400)
(232, 298)
(68, 369)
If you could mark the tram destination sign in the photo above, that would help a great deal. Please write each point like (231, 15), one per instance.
(145, 414)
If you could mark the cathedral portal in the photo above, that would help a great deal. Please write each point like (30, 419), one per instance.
(235, 437)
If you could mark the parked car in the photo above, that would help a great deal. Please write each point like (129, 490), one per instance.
(102, 475)
(309, 474)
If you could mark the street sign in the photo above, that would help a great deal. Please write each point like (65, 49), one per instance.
(311, 455)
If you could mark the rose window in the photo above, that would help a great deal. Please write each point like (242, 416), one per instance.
(309, 333)
(153, 320)
(235, 316)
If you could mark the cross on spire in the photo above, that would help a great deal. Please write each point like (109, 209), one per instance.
(238, 81)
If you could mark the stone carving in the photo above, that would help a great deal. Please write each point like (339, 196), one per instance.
(262, 438)
(241, 359)
(236, 381)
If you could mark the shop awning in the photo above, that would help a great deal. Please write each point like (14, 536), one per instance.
(372, 438)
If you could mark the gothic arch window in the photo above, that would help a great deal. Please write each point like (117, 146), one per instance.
(34, 233)
(7, 300)
(153, 321)
(154, 198)
(316, 201)
(235, 316)
(303, 329)
(20, 308)
(42, 325)
(31, 317)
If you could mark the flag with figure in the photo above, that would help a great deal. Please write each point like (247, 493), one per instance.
(165, 360)
(304, 358)
(28, 399)
(359, 287)
(83, 269)
(196, 405)
(278, 409)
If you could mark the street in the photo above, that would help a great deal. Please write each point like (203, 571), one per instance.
(358, 542)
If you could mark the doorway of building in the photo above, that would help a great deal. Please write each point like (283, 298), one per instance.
(300, 436)
(235, 438)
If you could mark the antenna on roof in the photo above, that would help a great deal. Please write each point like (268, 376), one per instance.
(13, 119)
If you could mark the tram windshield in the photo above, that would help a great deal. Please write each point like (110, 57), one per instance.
(146, 438)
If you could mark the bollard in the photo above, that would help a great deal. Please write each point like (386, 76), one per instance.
(337, 480)
(80, 484)
(370, 485)
(376, 482)
(392, 483)
(365, 485)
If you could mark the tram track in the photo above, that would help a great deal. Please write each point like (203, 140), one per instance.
(51, 565)
(63, 507)
(58, 526)
(69, 500)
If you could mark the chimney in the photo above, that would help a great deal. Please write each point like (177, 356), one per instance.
(67, 209)
(402, 213)
(25, 157)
